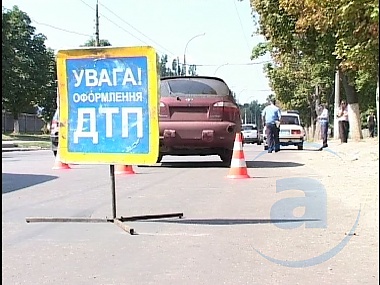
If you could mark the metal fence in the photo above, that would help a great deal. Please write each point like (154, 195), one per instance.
(28, 123)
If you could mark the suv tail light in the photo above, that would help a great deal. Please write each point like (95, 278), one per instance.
(164, 111)
(296, 132)
(223, 110)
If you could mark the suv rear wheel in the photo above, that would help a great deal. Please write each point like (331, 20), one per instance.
(226, 156)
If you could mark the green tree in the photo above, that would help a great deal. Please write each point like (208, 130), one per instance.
(26, 62)
(193, 70)
(163, 67)
(355, 26)
(46, 100)
(92, 42)
(308, 40)
(176, 68)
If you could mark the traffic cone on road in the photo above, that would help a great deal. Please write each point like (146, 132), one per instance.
(124, 169)
(58, 164)
(238, 167)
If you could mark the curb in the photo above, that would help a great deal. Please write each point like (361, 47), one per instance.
(10, 149)
(8, 144)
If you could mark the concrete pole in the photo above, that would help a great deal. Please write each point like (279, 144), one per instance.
(336, 104)
(184, 65)
(97, 40)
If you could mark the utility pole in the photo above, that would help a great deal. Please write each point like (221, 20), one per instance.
(336, 103)
(184, 65)
(178, 71)
(97, 41)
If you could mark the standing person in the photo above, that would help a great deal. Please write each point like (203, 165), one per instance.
(324, 122)
(371, 121)
(343, 121)
(271, 116)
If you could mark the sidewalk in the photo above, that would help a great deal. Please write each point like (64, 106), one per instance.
(365, 149)
(8, 146)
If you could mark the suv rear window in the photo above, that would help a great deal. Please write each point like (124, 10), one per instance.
(193, 86)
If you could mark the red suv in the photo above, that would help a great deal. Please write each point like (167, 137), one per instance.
(198, 116)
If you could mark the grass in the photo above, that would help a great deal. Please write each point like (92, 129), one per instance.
(28, 140)
(25, 137)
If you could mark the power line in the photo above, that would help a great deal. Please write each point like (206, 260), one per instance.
(248, 63)
(60, 29)
(112, 21)
(117, 25)
(141, 33)
(241, 25)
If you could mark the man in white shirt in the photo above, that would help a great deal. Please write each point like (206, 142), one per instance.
(324, 122)
(271, 116)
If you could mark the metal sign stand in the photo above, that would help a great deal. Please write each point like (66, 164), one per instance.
(117, 221)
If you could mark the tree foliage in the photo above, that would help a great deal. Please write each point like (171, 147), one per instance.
(309, 40)
(28, 71)
(175, 69)
(92, 43)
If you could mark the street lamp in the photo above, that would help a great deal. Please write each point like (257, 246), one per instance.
(219, 67)
(237, 96)
(184, 53)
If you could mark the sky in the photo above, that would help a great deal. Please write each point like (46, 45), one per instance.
(216, 35)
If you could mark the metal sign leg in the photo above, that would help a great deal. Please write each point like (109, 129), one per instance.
(115, 220)
(113, 190)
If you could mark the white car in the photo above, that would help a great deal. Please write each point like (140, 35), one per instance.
(250, 134)
(291, 130)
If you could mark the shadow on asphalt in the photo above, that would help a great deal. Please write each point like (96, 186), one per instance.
(13, 182)
(189, 164)
(224, 222)
(271, 164)
(304, 149)
(217, 164)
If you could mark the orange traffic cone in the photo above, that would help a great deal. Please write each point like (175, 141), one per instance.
(238, 167)
(58, 164)
(124, 169)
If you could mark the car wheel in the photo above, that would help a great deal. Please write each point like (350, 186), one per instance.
(159, 158)
(226, 157)
(259, 143)
(300, 147)
(55, 152)
(265, 147)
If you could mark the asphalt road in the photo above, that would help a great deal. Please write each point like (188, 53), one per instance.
(234, 231)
